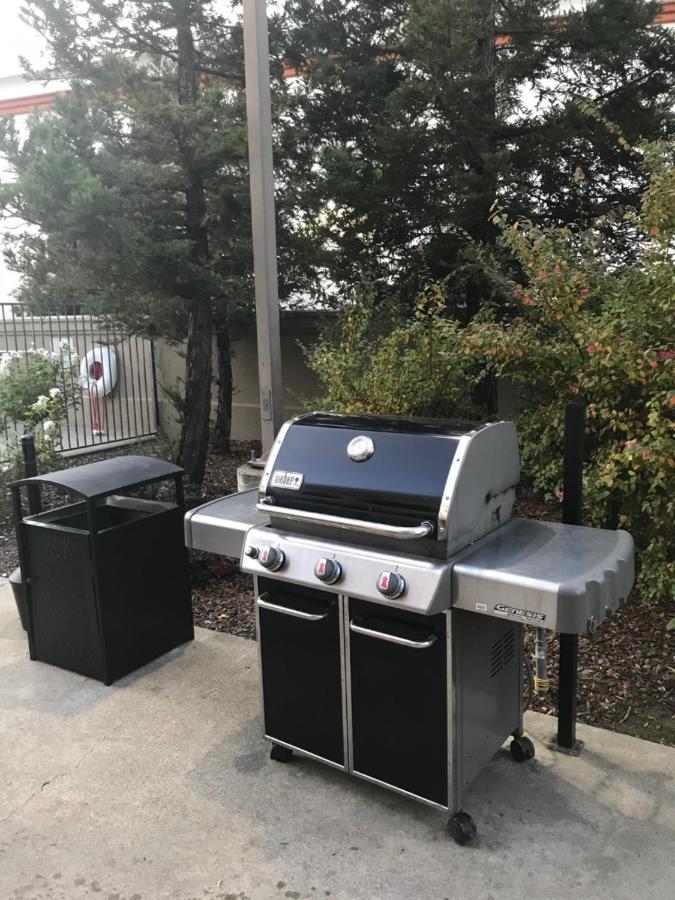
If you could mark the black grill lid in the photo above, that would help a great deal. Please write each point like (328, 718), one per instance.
(402, 483)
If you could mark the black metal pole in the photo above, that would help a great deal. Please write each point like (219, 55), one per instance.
(573, 465)
(153, 362)
(575, 420)
(30, 470)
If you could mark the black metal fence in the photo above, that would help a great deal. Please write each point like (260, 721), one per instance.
(100, 381)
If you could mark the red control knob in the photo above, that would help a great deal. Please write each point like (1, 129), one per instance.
(328, 570)
(271, 558)
(391, 585)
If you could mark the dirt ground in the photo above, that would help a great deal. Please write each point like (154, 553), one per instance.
(626, 669)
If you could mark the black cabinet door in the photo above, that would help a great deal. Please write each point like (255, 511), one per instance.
(301, 669)
(399, 705)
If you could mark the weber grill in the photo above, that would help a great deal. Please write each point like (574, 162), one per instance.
(392, 588)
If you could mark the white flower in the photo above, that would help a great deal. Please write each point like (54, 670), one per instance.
(41, 403)
(54, 392)
(48, 426)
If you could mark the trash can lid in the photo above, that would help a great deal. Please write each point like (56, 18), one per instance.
(98, 479)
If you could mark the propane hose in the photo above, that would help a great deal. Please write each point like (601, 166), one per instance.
(542, 683)
(529, 681)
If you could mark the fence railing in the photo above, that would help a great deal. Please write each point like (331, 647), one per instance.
(104, 377)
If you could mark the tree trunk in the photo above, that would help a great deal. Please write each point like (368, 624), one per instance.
(221, 433)
(194, 440)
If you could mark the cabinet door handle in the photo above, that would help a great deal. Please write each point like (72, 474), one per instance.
(392, 638)
(263, 603)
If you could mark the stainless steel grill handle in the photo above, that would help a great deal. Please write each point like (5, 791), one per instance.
(392, 638)
(401, 532)
(308, 617)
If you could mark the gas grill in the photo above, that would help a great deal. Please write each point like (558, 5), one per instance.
(392, 587)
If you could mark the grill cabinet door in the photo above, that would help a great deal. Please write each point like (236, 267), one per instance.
(399, 705)
(301, 669)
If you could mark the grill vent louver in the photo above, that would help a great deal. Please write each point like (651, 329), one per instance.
(503, 651)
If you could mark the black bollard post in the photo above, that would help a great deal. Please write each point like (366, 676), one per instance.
(29, 470)
(566, 741)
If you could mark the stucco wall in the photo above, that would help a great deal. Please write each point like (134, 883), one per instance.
(300, 383)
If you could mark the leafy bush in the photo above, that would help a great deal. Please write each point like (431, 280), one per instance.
(581, 331)
(27, 375)
(373, 361)
(586, 332)
(23, 378)
(36, 389)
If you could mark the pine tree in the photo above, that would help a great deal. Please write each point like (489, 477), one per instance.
(422, 114)
(135, 185)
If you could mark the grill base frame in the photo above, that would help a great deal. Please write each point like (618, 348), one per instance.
(474, 735)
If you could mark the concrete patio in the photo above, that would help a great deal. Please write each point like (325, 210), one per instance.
(161, 786)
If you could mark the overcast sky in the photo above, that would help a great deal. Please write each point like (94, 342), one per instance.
(16, 39)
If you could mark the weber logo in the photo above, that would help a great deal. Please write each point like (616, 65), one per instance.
(292, 481)
(526, 614)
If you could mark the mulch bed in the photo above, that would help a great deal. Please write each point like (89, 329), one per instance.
(626, 669)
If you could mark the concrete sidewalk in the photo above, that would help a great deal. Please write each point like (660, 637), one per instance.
(161, 786)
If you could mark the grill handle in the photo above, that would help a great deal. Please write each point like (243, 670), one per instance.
(401, 532)
(392, 638)
(263, 603)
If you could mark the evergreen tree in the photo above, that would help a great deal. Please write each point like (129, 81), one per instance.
(134, 187)
(422, 114)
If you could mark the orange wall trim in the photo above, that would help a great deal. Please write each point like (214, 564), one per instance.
(667, 14)
(22, 106)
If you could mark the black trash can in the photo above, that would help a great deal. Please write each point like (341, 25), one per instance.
(106, 577)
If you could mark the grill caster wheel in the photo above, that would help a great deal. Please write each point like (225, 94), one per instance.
(281, 754)
(522, 748)
(461, 828)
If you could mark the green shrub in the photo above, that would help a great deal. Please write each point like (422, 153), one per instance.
(605, 337)
(36, 389)
(371, 361)
(24, 377)
(582, 331)
(29, 382)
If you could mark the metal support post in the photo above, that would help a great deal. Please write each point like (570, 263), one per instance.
(259, 113)
(566, 741)
(30, 470)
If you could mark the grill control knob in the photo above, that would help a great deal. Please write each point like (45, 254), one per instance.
(252, 551)
(328, 570)
(391, 585)
(271, 558)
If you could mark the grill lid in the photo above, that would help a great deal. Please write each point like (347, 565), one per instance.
(384, 469)
(392, 478)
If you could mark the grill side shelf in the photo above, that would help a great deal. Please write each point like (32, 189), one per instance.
(220, 526)
(565, 578)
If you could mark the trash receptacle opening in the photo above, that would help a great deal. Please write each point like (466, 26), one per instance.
(113, 512)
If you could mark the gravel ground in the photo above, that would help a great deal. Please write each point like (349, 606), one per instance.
(626, 670)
